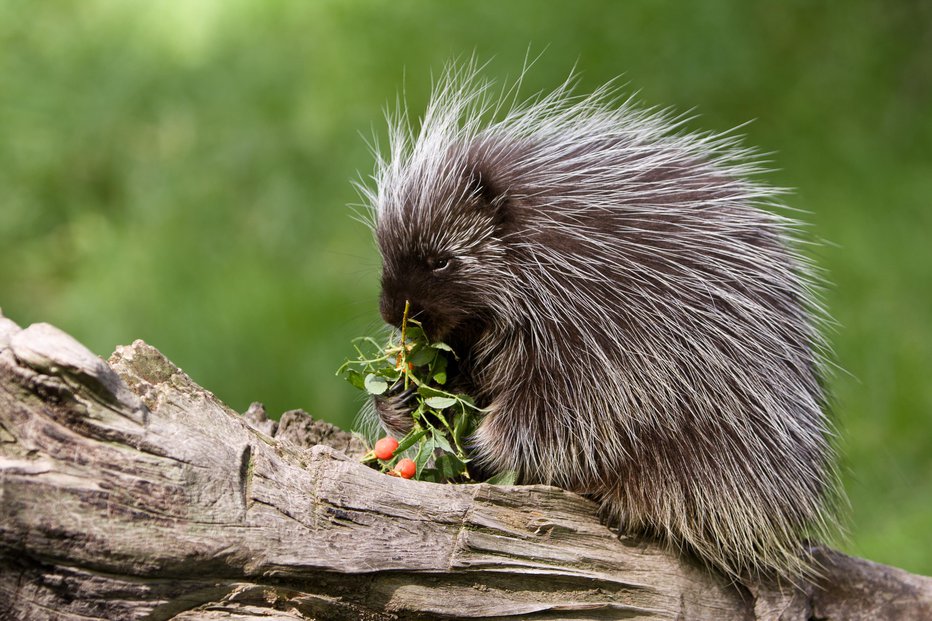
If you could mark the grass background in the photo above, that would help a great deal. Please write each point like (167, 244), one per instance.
(178, 172)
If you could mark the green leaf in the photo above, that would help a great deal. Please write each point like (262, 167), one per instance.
(418, 411)
(375, 385)
(508, 477)
(424, 453)
(431, 475)
(461, 424)
(440, 403)
(441, 441)
(410, 440)
(414, 334)
(356, 379)
(468, 401)
(430, 391)
(438, 369)
(422, 356)
(443, 346)
(449, 466)
(388, 372)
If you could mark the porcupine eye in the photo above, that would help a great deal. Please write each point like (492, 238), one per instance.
(438, 264)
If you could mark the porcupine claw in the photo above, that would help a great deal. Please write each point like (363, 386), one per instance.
(610, 520)
(394, 411)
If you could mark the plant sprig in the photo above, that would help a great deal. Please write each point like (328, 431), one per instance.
(442, 419)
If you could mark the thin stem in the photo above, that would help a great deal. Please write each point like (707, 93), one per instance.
(404, 349)
(404, 321)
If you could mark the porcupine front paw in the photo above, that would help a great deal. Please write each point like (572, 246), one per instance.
(394, 411)
(612, 517)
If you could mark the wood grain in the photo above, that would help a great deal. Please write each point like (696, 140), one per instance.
(127, 491)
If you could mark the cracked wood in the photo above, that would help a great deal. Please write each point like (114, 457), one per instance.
(130, 492)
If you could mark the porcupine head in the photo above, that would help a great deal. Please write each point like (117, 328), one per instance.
(629, 308)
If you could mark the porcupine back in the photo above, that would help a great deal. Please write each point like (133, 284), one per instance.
(632, 310)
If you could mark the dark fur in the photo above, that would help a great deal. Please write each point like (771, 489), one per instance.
(638, 327)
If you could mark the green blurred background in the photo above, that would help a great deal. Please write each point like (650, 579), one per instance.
(179, 172)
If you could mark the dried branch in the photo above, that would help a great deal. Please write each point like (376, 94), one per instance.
(130, 492)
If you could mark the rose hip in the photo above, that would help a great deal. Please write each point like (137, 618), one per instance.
(385, 448)
(406, 468)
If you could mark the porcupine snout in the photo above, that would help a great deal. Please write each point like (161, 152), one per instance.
(392, 308)
(395, 293)
(410, 290)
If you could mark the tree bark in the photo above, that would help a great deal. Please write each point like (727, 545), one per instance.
(127, 491)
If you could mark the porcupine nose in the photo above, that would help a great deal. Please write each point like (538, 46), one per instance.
(391, 309)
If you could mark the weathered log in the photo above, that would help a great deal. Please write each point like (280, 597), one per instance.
(127, 491)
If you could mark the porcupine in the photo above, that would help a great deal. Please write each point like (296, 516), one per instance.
(631, 310)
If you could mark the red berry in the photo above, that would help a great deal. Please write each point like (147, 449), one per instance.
(406, 468)
(385, 448)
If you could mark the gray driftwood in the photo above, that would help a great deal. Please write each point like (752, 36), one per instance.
(127, 492)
